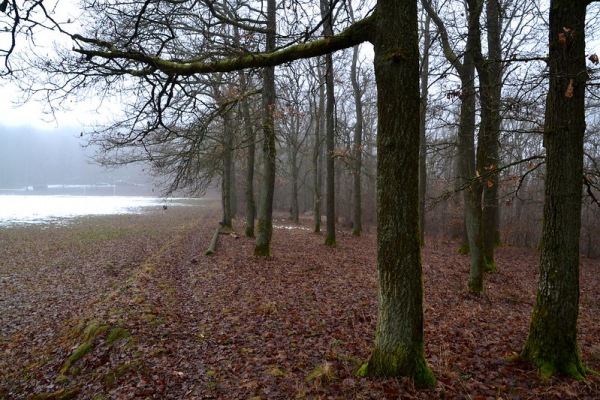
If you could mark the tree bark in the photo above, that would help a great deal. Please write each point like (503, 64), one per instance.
(551, 344)
(227, 172)
(490, 88)
(357, 147)
(294, 172)
(472, 189)
(330, 129)
(250, 158)
(233, 198)
(491, 208)
(470, 183)
(399, 345)
(423, 124)
(317, 156)
(265, 212)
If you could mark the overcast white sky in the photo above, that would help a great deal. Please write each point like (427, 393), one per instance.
(36, 115)
(32, 113)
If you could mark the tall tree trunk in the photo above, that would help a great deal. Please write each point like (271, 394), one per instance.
(357, 147)
(473, 189)
(317, 156)
(552, 341)
(250, 137)
(294, 172)
(233, 180)
(490, 88)
(265, 212)
(423, 124)
(227, 173)
(470, 182)
(327, 16)
(399, 345)
(491, 208)
(250, 156)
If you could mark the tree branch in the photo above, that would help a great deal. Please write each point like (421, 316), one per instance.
(356, 33)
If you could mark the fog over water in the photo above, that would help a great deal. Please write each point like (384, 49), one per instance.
(32, 157)
(34, 209)
(47, 176)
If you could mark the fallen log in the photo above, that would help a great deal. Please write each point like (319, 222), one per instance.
(212, 247)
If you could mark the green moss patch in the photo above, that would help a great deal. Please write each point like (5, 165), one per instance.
(117, 333)
(61, 394)
(464, 249)
(89, 333)
(111, 376)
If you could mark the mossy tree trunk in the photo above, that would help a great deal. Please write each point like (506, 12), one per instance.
(317, 156)
(265, 212)
(250, 134)
(399, 344)
(551, 344)
(327, 16)
(473, 190)
(233, 178)
(470, 183)
(250, 137)
(227, 172)
(490, 88)
(491, 208)
(357, 147)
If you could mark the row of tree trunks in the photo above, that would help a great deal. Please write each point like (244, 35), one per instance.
(399, 343)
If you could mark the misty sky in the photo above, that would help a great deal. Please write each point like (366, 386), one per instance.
(42, 157)
(35, 114)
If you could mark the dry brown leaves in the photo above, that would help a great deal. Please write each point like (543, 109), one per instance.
(232, 326)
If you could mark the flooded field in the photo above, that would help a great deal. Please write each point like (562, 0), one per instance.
(36, 209)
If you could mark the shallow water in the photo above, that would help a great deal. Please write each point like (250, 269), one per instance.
(33, 209)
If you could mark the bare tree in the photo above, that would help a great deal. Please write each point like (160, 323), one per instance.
(466, 134)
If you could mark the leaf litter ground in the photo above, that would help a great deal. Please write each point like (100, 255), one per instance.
(129, 307)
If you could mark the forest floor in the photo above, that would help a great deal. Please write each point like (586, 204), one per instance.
(125, 307)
